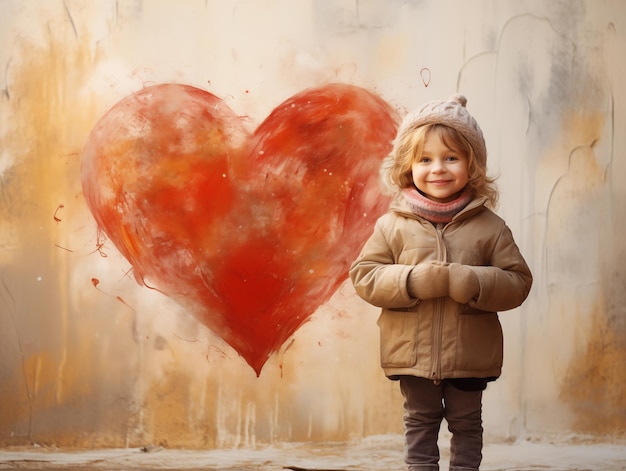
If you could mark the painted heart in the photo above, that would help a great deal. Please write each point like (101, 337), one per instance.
(250, 231)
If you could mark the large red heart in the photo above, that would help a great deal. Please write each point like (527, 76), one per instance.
(251, 232)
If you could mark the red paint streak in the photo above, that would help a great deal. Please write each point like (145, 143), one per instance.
(251, 233)
(120, 299)
(425, 74)
(57, 219)
(100, 244)
(95, 282)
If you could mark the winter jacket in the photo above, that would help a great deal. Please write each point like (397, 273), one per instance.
(440, 338)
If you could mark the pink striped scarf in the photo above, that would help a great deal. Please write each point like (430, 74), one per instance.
(434, 211)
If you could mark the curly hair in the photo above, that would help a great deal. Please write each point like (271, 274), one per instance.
(408, 147)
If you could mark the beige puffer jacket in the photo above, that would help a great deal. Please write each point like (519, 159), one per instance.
(439, 338)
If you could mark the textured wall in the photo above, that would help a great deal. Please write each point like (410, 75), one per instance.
(90, 358)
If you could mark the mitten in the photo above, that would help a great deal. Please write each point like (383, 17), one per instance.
(463, 283)
(428, 281)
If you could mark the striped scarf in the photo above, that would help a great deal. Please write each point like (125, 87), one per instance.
(434, 211)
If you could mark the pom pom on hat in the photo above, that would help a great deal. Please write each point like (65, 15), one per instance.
(459, 99)
(451, 113)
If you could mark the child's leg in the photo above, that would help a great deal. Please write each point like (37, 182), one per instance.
(463, 412)
(423, 412)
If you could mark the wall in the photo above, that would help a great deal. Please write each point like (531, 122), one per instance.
(89, 357)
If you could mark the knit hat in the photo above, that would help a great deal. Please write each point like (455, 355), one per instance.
(451, 113)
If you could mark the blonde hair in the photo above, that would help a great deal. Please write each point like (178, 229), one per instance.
(396, 171)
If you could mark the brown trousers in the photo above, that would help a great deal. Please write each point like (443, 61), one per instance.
(426, 405)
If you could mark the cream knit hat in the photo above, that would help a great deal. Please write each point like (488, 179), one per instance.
(450, 113)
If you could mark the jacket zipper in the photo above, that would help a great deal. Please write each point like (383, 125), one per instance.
(438, 321)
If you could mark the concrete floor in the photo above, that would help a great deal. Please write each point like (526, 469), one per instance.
(372, 454)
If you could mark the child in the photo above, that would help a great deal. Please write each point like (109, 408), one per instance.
(440, 264)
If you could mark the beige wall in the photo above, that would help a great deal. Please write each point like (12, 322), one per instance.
(116, 364)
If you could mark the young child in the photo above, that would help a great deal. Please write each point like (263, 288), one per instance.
(440, 263)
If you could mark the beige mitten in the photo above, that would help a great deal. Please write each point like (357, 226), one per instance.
(428, 280)
(463, 283)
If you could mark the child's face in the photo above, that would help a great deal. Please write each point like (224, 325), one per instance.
(440, 173)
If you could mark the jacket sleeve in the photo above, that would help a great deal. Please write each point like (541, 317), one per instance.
(506, 283)
(377, 278)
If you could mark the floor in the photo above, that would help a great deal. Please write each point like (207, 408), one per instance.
(371, 454)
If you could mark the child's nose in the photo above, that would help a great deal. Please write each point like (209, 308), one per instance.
(438, 166)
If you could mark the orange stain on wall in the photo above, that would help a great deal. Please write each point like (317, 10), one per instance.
(81, 376)
(582, 249)
(595, 382)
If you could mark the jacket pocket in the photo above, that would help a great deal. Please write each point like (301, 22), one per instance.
(480, 342)
(398, 338)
